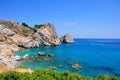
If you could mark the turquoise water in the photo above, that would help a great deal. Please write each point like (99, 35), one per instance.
(96, 56)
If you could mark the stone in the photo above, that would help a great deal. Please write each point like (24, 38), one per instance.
(50, 55)
(26, 55)
(13, 33)
(41, 54)
(76, 66)
(18, 58)
(60, 66)
(44, 58)
(52, 68)
(66, 39)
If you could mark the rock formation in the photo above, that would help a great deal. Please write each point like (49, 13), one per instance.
(66, 39)
(46, 35)
(50, 55)
(14, 37)
(23, 36)
(7, 53)
(76, 66)
(41, 54)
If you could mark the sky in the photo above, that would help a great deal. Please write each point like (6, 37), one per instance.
(80, 18)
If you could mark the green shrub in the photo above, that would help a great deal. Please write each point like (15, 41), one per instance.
(26, 26)
(23, 67)
(38, 25)
(44, 74)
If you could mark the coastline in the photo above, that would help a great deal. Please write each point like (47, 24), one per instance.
(85, 52)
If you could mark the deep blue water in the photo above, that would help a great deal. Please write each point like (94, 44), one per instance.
(96, 56)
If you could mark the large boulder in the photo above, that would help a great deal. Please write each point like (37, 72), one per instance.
(66, 39)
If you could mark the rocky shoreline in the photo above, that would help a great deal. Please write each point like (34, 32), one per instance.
(16, 37)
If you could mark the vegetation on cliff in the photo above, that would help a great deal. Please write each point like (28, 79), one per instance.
(43, 74)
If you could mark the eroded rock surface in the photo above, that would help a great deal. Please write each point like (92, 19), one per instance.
(66, 39)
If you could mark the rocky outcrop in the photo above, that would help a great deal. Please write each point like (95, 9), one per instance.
(66, 39)
(47, 35)
(76, 66)
(14, 37)
(50, 55)
(6, 56)
(23, 36)
(41, 54)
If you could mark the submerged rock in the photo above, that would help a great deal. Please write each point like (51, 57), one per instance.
(60, 66)
(52, 68)
(66, 39)
(26, 55)
(50, 55)
(76, 66)
(41, 54)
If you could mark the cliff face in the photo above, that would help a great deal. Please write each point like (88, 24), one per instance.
(20, 35)
(14, 36)
(66, 39)
(47, 35)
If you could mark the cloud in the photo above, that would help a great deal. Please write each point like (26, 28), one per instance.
(70, 24)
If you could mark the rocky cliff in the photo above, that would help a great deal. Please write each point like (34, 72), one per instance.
(66, 39)
(14, 36)
(46, 35)
(23, 36)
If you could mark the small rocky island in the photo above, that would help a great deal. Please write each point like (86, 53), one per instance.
(16, 37)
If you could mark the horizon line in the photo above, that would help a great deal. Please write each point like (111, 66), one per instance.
(94, 38)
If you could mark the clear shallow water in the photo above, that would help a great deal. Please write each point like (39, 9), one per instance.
(96, 56)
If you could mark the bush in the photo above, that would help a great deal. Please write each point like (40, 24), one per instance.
(38, 25)
(24, 24)
(27, 26)
(23, 67)
(44, 74)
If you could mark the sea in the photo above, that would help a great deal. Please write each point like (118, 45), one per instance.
(95, 56)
